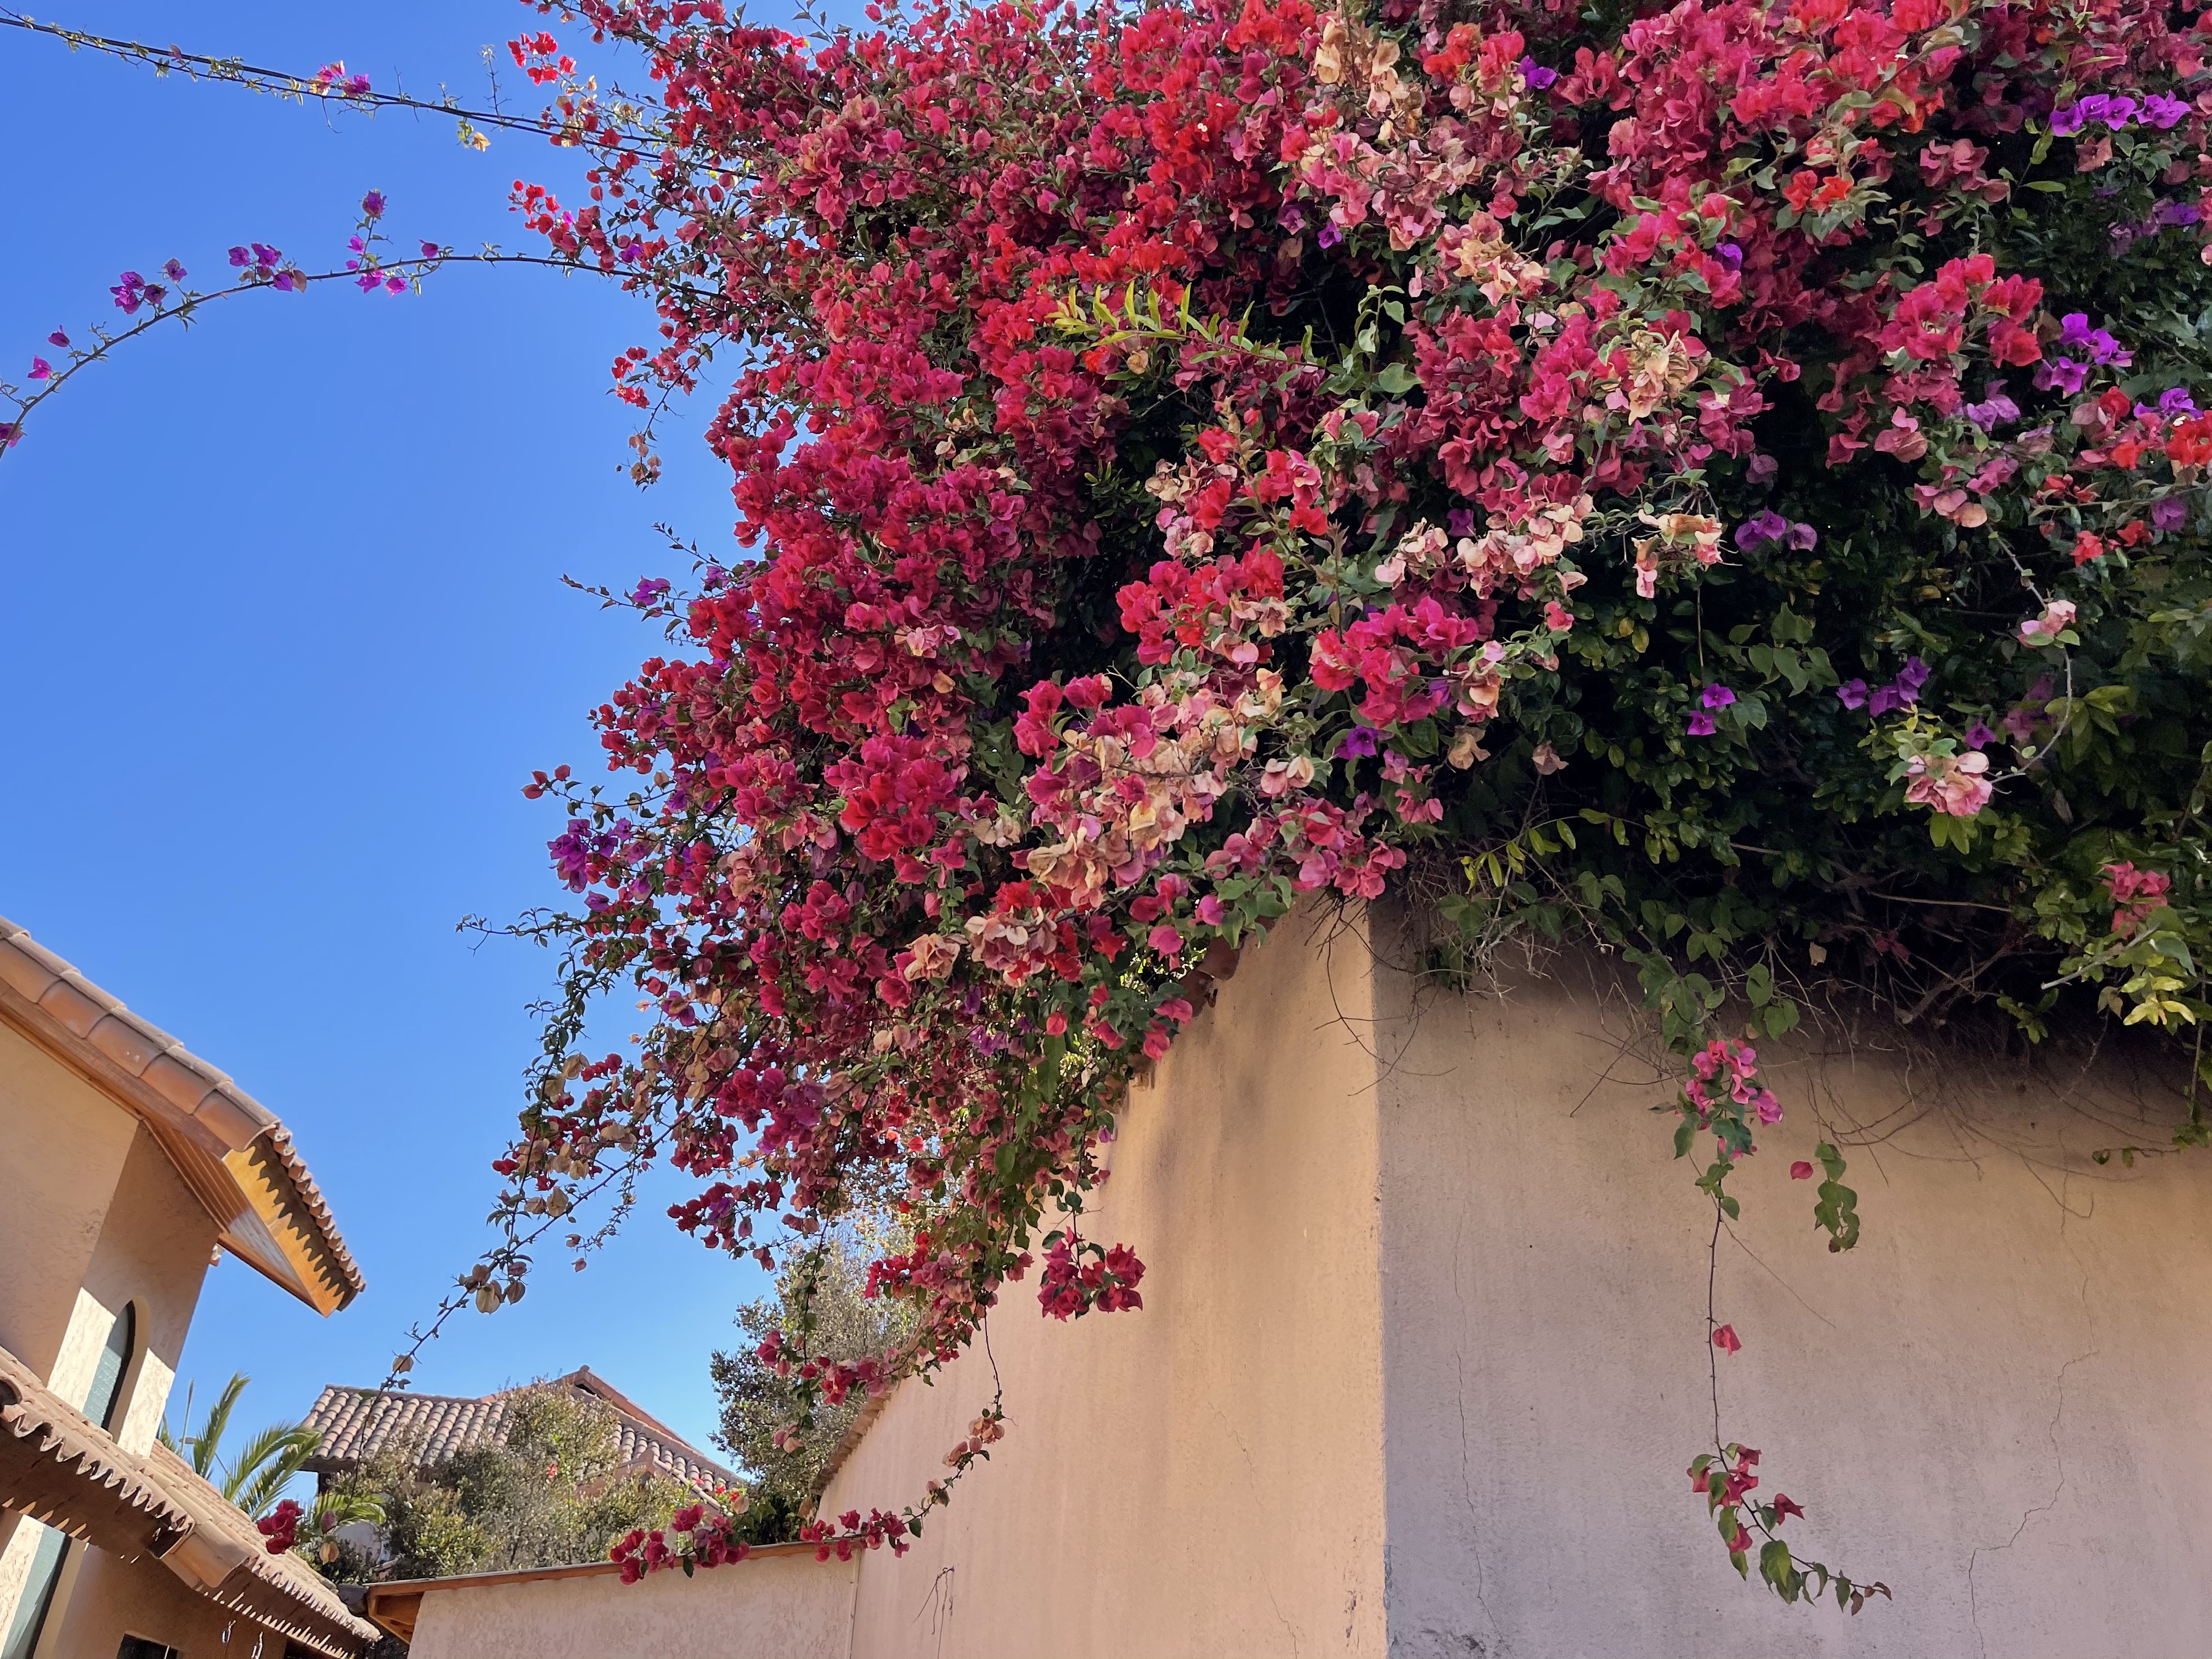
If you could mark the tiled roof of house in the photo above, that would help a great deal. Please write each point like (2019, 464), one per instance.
(356, 1424)
(280, 1590)
(60, 1467)
(232, 1150)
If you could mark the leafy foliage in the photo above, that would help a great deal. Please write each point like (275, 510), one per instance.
(761, 1406)
(553, 1494)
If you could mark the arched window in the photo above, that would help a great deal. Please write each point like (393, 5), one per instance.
(101, 1400)
(106, 1393)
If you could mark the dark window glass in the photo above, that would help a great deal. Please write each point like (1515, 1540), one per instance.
(137, 1647)
(37, 1590)
(106, 1390)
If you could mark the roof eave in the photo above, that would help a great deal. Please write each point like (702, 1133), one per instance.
(231, 1152)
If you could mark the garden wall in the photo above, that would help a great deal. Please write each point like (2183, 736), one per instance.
(1201, 1477)
(1423, 1357)
(780, 1605)
(1995, 1403)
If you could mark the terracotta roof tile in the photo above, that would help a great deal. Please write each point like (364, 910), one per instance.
(58, 1466)
(356, 1424)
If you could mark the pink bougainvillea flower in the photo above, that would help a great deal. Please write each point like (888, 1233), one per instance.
(1725, 1340)
(1800, 1170)
(41, 368)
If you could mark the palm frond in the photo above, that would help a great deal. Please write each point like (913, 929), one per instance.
(265, 1463)
(333, 1510)
(208, 1440)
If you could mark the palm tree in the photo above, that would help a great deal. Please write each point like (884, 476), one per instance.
(256, 1478)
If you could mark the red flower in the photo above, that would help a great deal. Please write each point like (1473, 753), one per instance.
(1724, 1339)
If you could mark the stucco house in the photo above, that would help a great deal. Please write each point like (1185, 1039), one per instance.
(127, 1166)
(1424, 1355)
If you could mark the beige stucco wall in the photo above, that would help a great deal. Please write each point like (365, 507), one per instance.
(1996, 1403)
(153, 1254)
(100, 1601)
(93, 1218)
(1201, 1478)
(63, 1148)
(781, 1607)
(1423, 1360)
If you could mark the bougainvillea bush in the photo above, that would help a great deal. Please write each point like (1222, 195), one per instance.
(1723, 481)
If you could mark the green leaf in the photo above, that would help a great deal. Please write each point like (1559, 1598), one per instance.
(1397, 379)
(1777, 1569)
(1758, 985)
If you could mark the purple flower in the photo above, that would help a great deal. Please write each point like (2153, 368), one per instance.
(1459, 522)
(41, 368)
(395, 284)
(1763, 468)
(2161, 111)
(1978, 735)
(1760, 529)
(1884, 700)
(1853, 694)
(2019, 723)
(239, 255)
(1731, 255)
(1717, 696)
(2175, 213)
(372, 205)
(1803, 538)
(2176, 400)
(1994, 409)
(1700, 725)
(2065, 122)
(2095, 107)
(2118, 112)
(1290, 216)
(129, 293)
(2061, 374)
(2169, 513)
(648, 593)
(172, 270)
(59, 338)
(266, 257)
(11, 433)
(429, 249)
(1536, 74)
(2097, 344)
(1329, 235)
(1360, 740)
(1910, 678)
(290, 282)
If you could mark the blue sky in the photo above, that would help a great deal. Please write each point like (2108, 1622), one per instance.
(285, 634)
